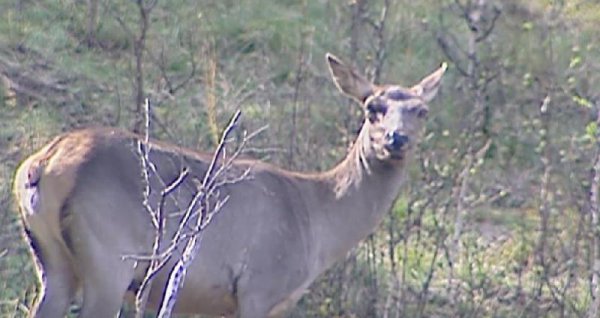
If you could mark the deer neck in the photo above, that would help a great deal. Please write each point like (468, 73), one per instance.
(358, 204)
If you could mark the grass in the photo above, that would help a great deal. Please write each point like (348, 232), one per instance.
(257, 46)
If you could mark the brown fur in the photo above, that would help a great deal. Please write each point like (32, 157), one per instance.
(81, 202)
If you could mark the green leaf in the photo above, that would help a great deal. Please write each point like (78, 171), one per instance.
(575, 61)
(582, 101)
(591, 130)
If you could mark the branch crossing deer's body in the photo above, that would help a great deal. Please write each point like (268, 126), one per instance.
(81, 200)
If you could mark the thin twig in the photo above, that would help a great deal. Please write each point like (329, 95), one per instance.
(192, 246)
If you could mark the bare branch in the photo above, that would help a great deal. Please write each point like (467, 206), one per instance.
(485, 33)
(595, 240)
(205, 190)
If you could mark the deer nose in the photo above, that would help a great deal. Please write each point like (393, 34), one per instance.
(395, 141)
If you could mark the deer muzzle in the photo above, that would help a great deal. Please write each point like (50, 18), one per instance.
(395, 141)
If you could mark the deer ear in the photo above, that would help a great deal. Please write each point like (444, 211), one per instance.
(348, 80)
(428, 87)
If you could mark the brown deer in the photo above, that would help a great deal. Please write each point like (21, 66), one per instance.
(81, 198)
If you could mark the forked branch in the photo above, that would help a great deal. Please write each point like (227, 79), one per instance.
(193, 219)
(207, 189)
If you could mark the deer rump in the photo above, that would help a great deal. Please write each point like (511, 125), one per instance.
(86, 214)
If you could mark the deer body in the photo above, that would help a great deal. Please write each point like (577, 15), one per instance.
(81, 200)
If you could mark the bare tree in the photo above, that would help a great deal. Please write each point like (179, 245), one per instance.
(480, 18)
(202, 205)
(299, 75)
(595, 225)
(92, 22)
(206, 203)
(144, 8)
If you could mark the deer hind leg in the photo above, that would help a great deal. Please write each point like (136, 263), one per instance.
(105, 281)
(59, 290)
(104, 274)
(57, 278)
(103, 293)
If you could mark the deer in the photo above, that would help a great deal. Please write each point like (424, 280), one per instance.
(81, 197)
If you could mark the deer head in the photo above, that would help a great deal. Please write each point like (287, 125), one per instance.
(394, 115)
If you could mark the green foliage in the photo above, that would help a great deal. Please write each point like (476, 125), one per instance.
(532, 92)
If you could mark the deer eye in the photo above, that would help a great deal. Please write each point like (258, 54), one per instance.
(375, 110)
(419, 111)
(377, 107)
